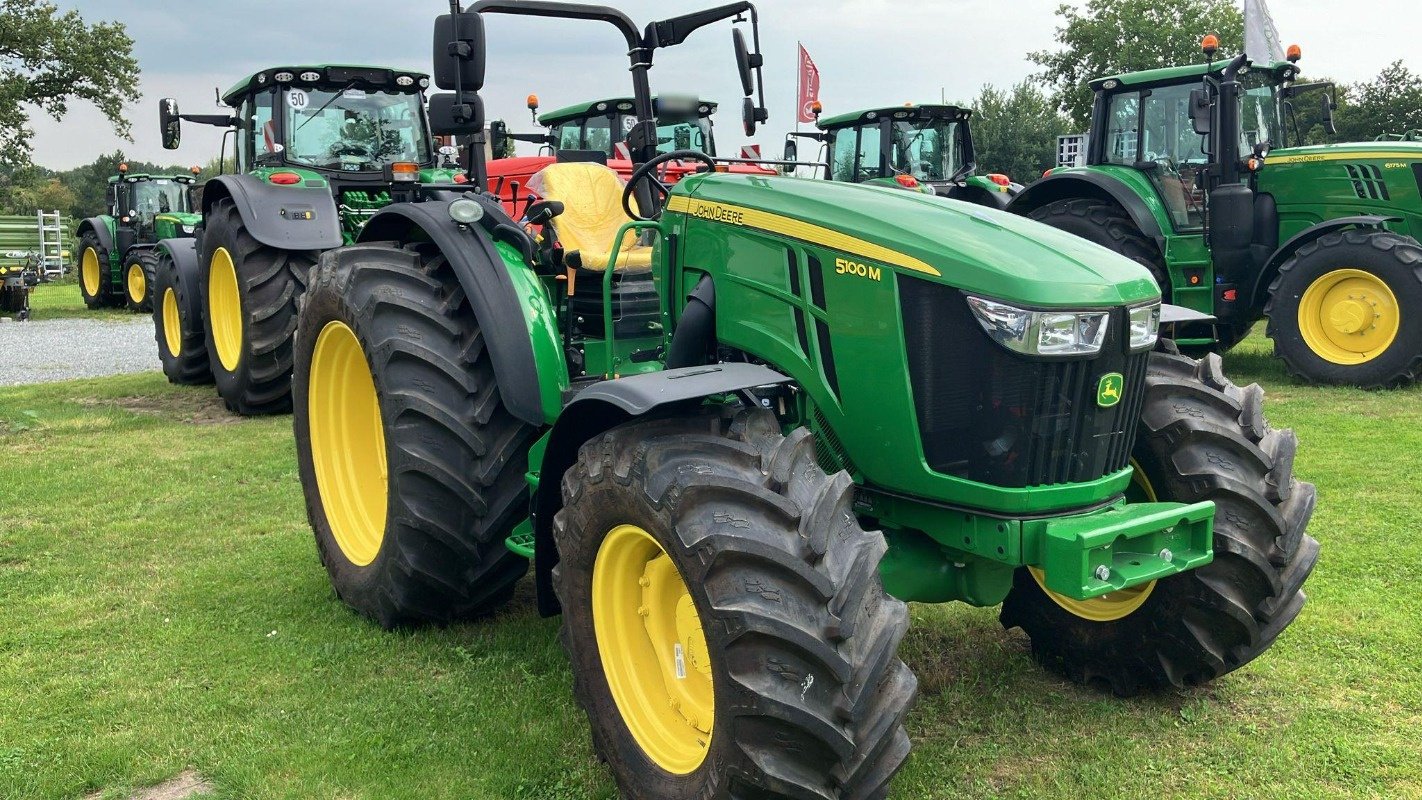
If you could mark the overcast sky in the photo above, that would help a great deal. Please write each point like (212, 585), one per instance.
(870, 52)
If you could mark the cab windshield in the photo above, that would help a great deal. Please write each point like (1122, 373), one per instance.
(1259, 113)
(157, 196)
(356, 130)
(927, 149)
(604, 132)
(685, 133)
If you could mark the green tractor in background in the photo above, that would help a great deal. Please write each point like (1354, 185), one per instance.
(737, 425)
(1197, 173)
(118, 254)
(924, 148)
(319, 149)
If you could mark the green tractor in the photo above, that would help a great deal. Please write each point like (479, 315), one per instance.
(319, 149)
(118, 255)
(1197, 173)
(737, 424)
(924, 148)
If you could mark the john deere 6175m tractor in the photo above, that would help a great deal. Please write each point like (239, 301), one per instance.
(737, 422)
(319, 148)
(1196, 172)
(118, 254)
(927, 148)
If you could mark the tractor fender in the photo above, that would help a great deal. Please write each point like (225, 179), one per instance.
(184, 253)
(491, 292)
(600, 408)
(103, 228)
(1084, 183)
(284, 217)
(1298, 240)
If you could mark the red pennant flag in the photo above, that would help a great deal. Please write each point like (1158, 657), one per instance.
(809, 86)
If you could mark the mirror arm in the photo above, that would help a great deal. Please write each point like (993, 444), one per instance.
(674, 31)
(220, 120)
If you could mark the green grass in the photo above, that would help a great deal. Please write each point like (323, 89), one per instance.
(62, 301)
(163, 608)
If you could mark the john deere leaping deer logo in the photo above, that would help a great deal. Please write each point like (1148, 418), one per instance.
(1108, 391)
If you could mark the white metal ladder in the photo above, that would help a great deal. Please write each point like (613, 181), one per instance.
(51, 241)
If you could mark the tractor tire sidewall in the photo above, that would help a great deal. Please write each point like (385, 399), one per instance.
(449, 508)
(1103, 222)
(269, 282)
(1201, 438)
(147, 260)
(103, 298)
(1390, 257)
(190, 366)
(734, 547)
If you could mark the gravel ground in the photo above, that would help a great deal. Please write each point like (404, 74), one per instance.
(41, 351)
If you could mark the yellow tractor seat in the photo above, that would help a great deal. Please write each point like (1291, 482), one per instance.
(591, 195)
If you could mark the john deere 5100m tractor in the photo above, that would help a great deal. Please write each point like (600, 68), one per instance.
(1197, 173)
(318, 149)
(118, 254)
(738, 423)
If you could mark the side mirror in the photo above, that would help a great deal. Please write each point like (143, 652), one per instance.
(453, 116)
(169, 123)
(1329, 105)
(792, 151)
(744, 64)
(498, 137)
(1200, 112)
(459, 52)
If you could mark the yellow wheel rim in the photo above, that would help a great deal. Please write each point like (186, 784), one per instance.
(653, 649)
(224, 303)
(347, 443)
(137, 283)
(172, 323)
(89, 271)
(1349, 316)
(1116, 605)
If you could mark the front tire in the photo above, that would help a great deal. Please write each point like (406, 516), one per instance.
(94, 283)
(1201, 438)
(1347, 309)
(177, 323)
(413, 469)
(139, 273)
(249, 296)
(724, 616)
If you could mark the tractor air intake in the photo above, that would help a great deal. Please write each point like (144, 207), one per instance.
(996, 417)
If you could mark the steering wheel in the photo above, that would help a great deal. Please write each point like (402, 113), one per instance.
(659, 185)
(344, 148)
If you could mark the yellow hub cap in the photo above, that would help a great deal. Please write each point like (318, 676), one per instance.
(347, 443)
(137, 283)
(224, 302)
(653, 649)
(89, 271)
(172, 323)
(1349, 316)
(1116, 605)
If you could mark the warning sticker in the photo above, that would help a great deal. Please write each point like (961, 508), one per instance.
(680, 663)
(297, 99)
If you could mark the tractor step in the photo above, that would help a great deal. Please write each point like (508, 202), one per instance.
(1095, 554)
(520, 542)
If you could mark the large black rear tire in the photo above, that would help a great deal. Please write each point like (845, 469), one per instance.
(775, 571)
(1201, 438)
(177, 323)
(250, 313)
(1106, 224)
(140, 269)
(1386, 269)
(454, 457)
(95, 284)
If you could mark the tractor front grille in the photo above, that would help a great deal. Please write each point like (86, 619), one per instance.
(993, 416)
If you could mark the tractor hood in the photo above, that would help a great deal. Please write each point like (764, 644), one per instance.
(977, 249)
(1367, 151)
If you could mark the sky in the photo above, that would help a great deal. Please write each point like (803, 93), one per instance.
(869, 53)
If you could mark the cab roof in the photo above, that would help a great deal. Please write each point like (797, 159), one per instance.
(704, 108)
(363, 75)
(1282, 69)
(905, 111)
(135, 177)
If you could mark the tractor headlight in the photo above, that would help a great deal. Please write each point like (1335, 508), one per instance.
(1041, 333)
(188, 228)
(1145, 326)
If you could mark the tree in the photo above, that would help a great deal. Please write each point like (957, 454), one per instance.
(47, 194)
(47, 58)
(1388, 104)
(1108, 37)
(1015, 131)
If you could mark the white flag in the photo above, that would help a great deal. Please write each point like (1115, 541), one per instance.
(1261, 38)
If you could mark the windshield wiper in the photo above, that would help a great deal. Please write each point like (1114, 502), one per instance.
(325, 105)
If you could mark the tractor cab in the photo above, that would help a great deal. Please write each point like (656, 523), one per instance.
(923, 148)
(153, 206)
(360, 131)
